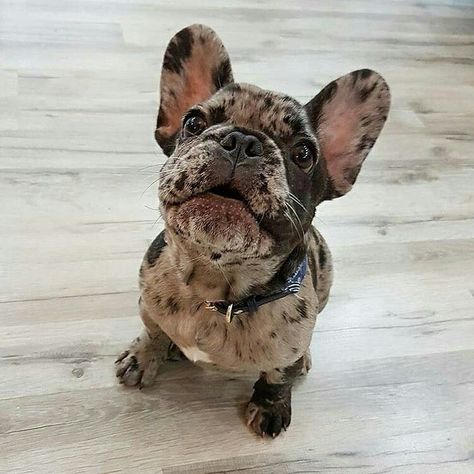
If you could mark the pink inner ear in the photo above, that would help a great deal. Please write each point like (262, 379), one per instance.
(194, 84)
(337, 131)
(349, 122)
(199, 84)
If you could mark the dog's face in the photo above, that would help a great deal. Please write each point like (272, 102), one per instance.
(247, 167)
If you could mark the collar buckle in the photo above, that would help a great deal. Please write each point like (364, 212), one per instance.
(251, 304)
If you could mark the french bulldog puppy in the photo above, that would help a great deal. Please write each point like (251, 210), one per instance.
(239, 274)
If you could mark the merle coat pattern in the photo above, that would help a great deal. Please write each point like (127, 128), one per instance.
(246, 170)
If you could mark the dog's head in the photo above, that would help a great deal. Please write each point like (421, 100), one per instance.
(247, 167)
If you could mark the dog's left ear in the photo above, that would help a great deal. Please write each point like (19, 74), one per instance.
(347, 117)
(195, 66)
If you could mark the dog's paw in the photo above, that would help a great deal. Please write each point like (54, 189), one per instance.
(268, 418)
(138, 365)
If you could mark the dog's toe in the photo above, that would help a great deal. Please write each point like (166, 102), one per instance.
(268, 420)
(137, 366)
(128, 370)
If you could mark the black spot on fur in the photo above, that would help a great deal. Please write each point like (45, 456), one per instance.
(365, 121)
(360, 74)
(180, 181)
(202, 168)
(155, 249)
(268, 102)
(207, 227)
(222, 75)
(302, 309)
(313, 269)
(322, 257)
(315, 105)
(288, 100)
(294, 121)
(365, 93)
(294, 350)
(217, 114)
(263, 185)
(366, 143)
(173, 305)
(273, 334)
(216, 255)
(178, 51)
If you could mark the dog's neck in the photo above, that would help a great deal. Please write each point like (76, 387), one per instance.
(210, 275)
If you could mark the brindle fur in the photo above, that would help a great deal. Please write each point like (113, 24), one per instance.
(199, 257)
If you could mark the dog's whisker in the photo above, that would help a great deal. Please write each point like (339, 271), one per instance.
(152, 208)
(156, 222)
(301, 233)
(172, 171)
(290, 220)
(151, 166)
(225, 276)
(149, 186)
(297, 201)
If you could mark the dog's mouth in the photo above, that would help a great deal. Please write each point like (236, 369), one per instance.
(227, 192)
(219, 211)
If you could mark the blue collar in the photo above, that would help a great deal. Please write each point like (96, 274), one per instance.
(252, 303)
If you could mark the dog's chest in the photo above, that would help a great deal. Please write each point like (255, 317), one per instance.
(275, 336)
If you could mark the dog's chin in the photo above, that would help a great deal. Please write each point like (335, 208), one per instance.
(222, 223)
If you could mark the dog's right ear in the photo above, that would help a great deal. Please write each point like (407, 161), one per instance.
(195, 66)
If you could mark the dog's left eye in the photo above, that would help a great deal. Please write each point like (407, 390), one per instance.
(193, 126)
(302, 155)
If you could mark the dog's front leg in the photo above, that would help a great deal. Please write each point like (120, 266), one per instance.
(139, 364)
(269, 409)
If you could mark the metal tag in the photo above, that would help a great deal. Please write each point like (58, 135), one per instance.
(229, 314)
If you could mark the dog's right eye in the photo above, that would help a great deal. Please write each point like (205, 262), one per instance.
(302, 155)
(194, 126)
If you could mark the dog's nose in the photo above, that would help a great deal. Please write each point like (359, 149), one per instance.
(241, 146)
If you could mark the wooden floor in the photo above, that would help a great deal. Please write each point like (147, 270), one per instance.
(392, 385)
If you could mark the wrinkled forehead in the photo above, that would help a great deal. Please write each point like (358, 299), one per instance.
(245, 105)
